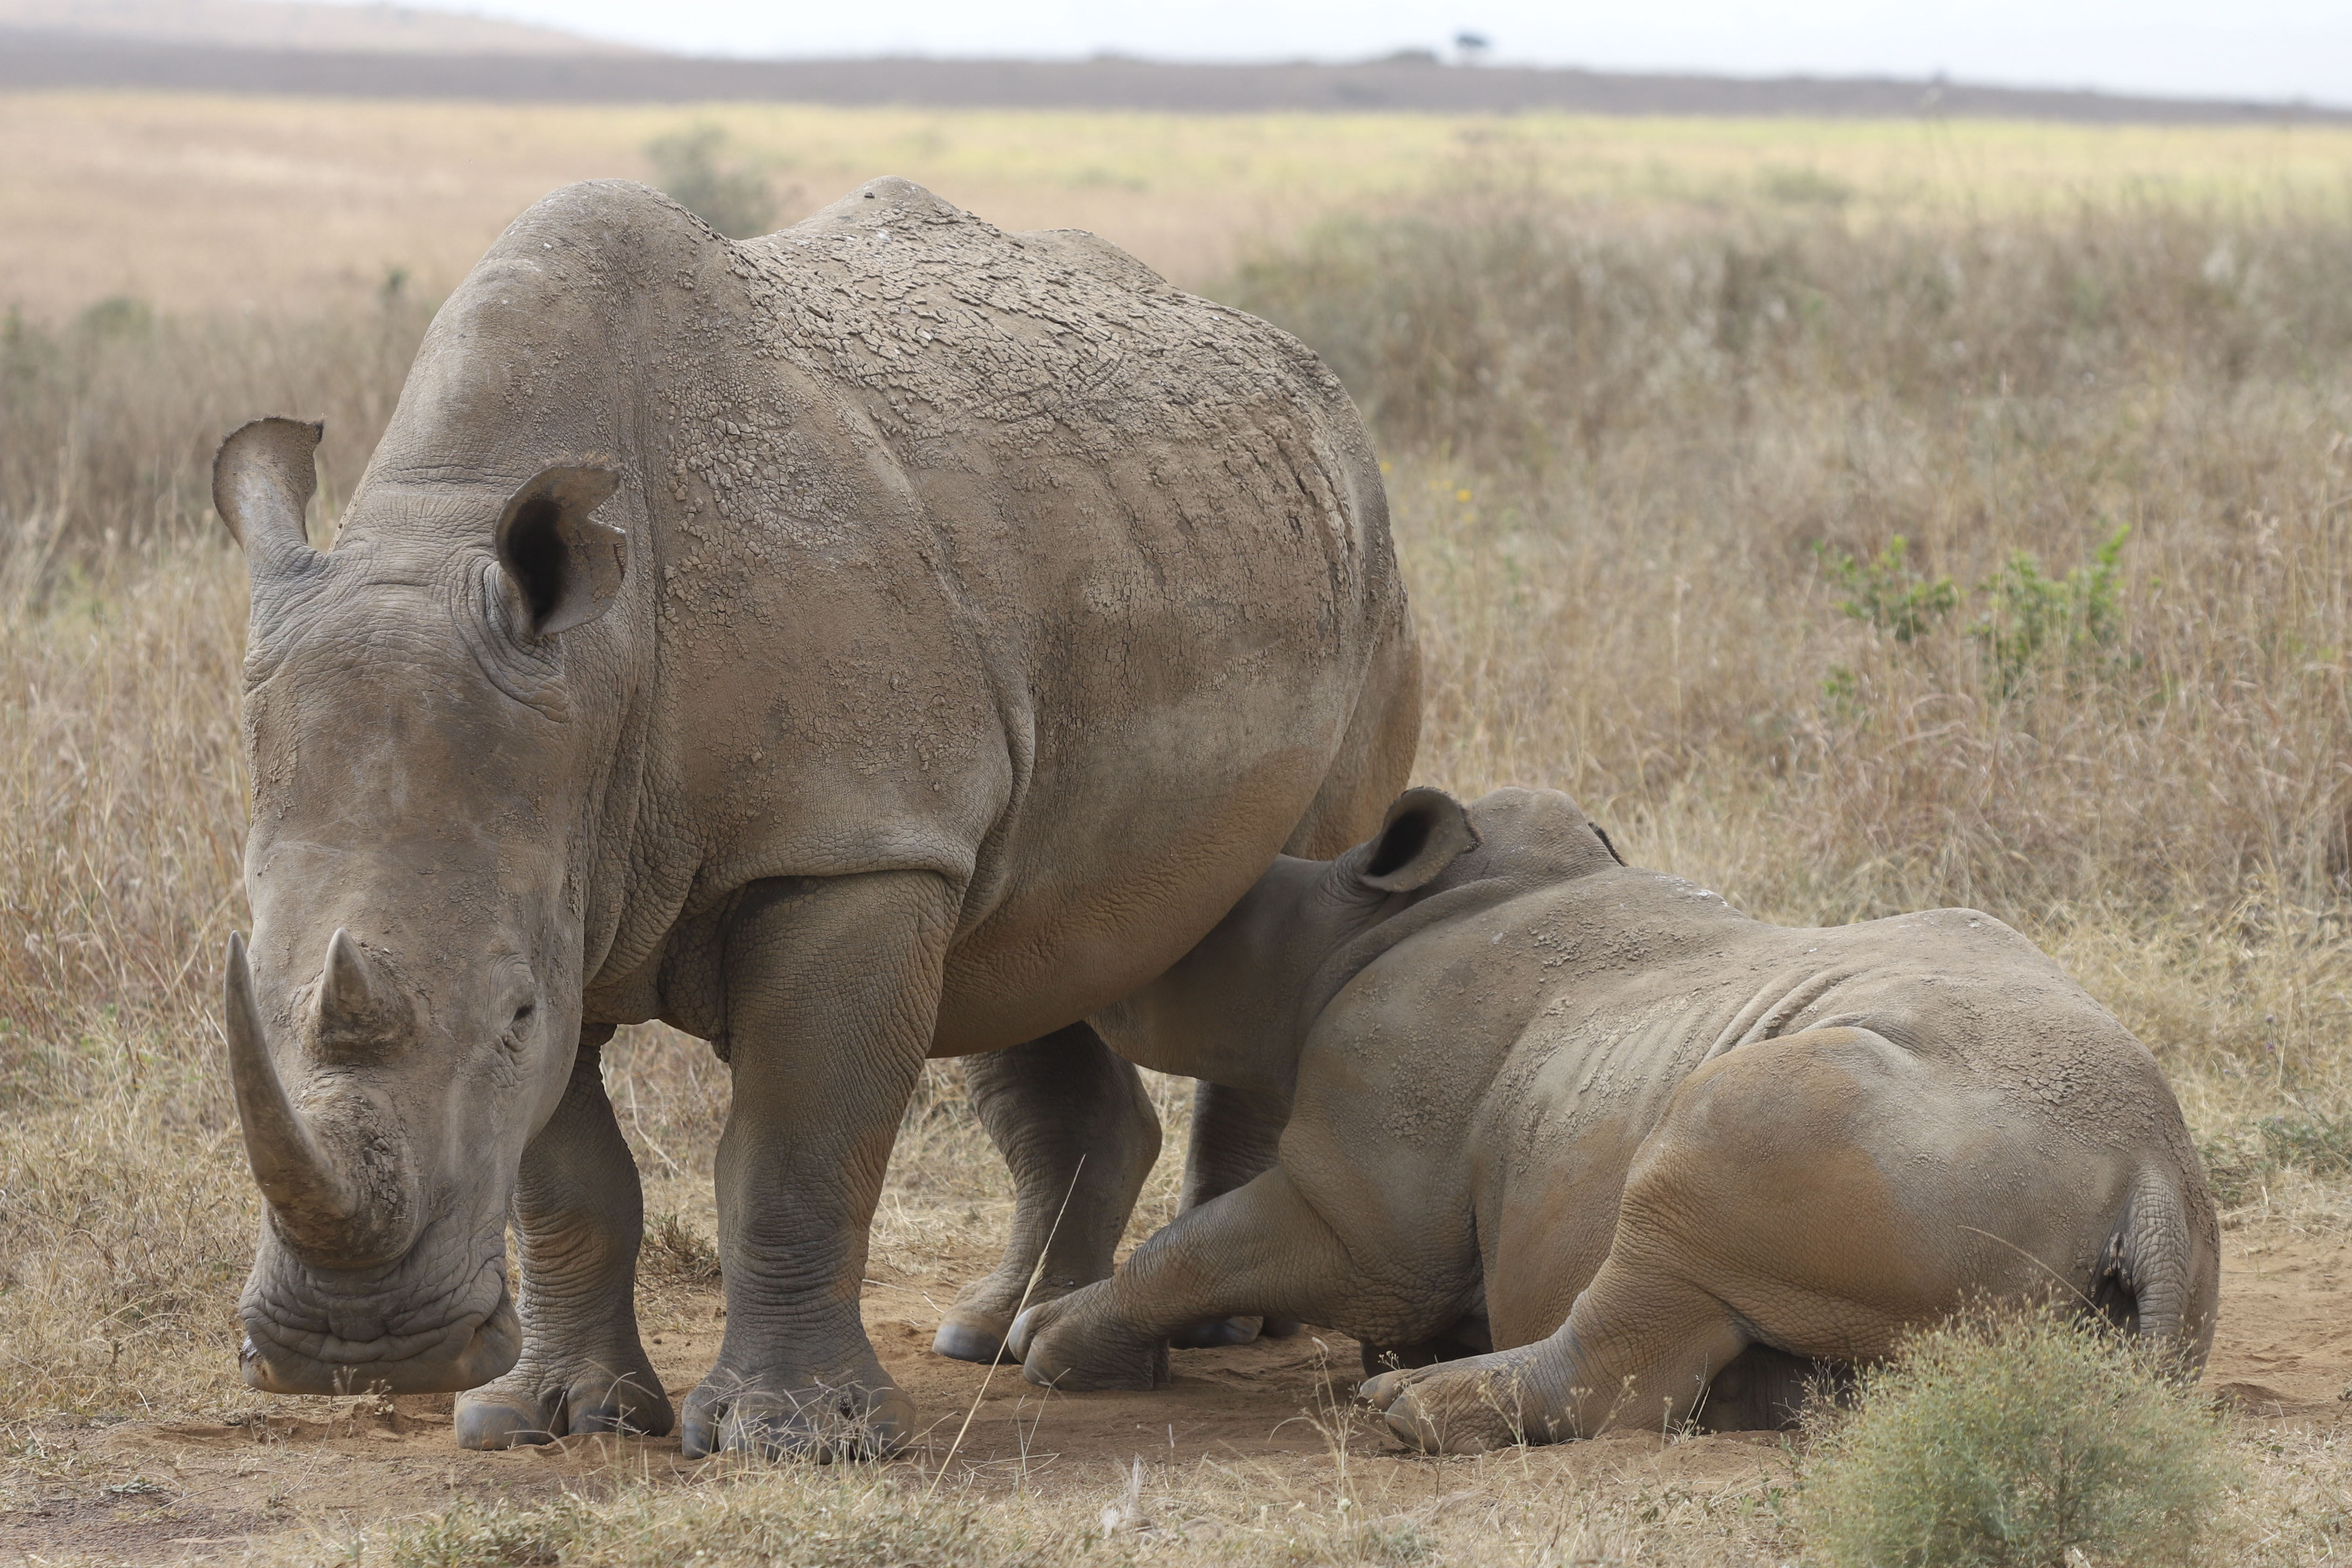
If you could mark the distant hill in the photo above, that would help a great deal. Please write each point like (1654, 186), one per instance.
(276, 25)
(386, 51)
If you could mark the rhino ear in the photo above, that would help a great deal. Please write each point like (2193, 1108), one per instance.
(1427, 831)
(565, 567)
(263, 478)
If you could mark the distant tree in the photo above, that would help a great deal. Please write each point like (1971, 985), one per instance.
(1471, 49)
(732, 197)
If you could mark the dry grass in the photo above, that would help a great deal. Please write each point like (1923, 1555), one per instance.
(1620, 423)
(196, 203)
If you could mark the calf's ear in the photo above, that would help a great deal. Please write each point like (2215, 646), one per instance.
(1427, 831)
(565, 567)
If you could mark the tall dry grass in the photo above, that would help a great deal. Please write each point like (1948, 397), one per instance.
(1622, 453)
(1638, 468)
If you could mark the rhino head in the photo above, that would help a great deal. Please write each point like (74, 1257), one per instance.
(424, 785)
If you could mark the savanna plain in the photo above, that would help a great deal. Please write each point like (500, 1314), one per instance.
(1856, 517)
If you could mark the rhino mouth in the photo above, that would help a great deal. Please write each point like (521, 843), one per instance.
(308, 1332)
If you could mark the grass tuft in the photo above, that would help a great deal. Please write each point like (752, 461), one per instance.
(790, 1517)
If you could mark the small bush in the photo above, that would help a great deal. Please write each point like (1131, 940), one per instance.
(2032, 617)
(2019, 1441)
(733, 198)
(2241, 1161)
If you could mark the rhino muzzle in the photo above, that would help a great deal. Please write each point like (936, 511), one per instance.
(320, 1332)
(346, 1295)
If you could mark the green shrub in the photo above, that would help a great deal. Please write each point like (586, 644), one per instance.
(2240, 1159)
(2015, 1441)
(1889, 593)
(2034, 618)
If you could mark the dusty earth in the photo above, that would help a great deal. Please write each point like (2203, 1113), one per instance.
(138, 1491)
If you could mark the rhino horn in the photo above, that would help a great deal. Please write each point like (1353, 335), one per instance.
(293, 1172)
(350, 1002)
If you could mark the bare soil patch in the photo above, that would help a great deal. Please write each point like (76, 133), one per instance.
(152, 1492)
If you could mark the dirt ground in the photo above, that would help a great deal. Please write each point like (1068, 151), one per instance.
(157, 1492)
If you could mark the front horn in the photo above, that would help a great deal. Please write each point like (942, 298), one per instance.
(292, 1170)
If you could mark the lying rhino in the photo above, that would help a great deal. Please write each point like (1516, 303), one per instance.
(1630, 1143)
(889, 638)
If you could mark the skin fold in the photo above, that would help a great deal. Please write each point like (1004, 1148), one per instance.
(888, 638)
(1575, 1145)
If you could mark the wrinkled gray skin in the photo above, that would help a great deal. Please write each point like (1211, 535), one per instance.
(1640, 1150)
(888, 638)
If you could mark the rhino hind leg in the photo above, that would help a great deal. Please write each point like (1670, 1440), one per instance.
(1078, 1133)
(1639, 1349)
(1766, 1390)
(1646, 1340)
(1761, 1210)
(579, 1218)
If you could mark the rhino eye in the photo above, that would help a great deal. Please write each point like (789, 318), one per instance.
(522, 1016)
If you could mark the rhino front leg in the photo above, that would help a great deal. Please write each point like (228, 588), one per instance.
(579, 1217)
(1080, 1136)
(832, 991)
(1236, 1134)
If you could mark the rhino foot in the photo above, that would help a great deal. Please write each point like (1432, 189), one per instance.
(1468, 1407)
(1076, 1345)
(539, 1402)
(970, 1336)
(977, 1326)
(862, 1416)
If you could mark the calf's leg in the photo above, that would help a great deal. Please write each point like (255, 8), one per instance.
(1236, 1134)
(1260, 1249)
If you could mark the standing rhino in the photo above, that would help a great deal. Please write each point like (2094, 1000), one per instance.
(1638, 1149)
(889, 638)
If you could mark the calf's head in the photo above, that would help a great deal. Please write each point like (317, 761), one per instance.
(1236, 1008)
(425, 780)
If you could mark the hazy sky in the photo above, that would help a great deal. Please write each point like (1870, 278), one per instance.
(2266, 48)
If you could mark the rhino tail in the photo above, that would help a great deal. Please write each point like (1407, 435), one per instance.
(2156, 1282)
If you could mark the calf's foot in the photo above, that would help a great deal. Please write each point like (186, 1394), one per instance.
(980, 1326)
(1079, 1344)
